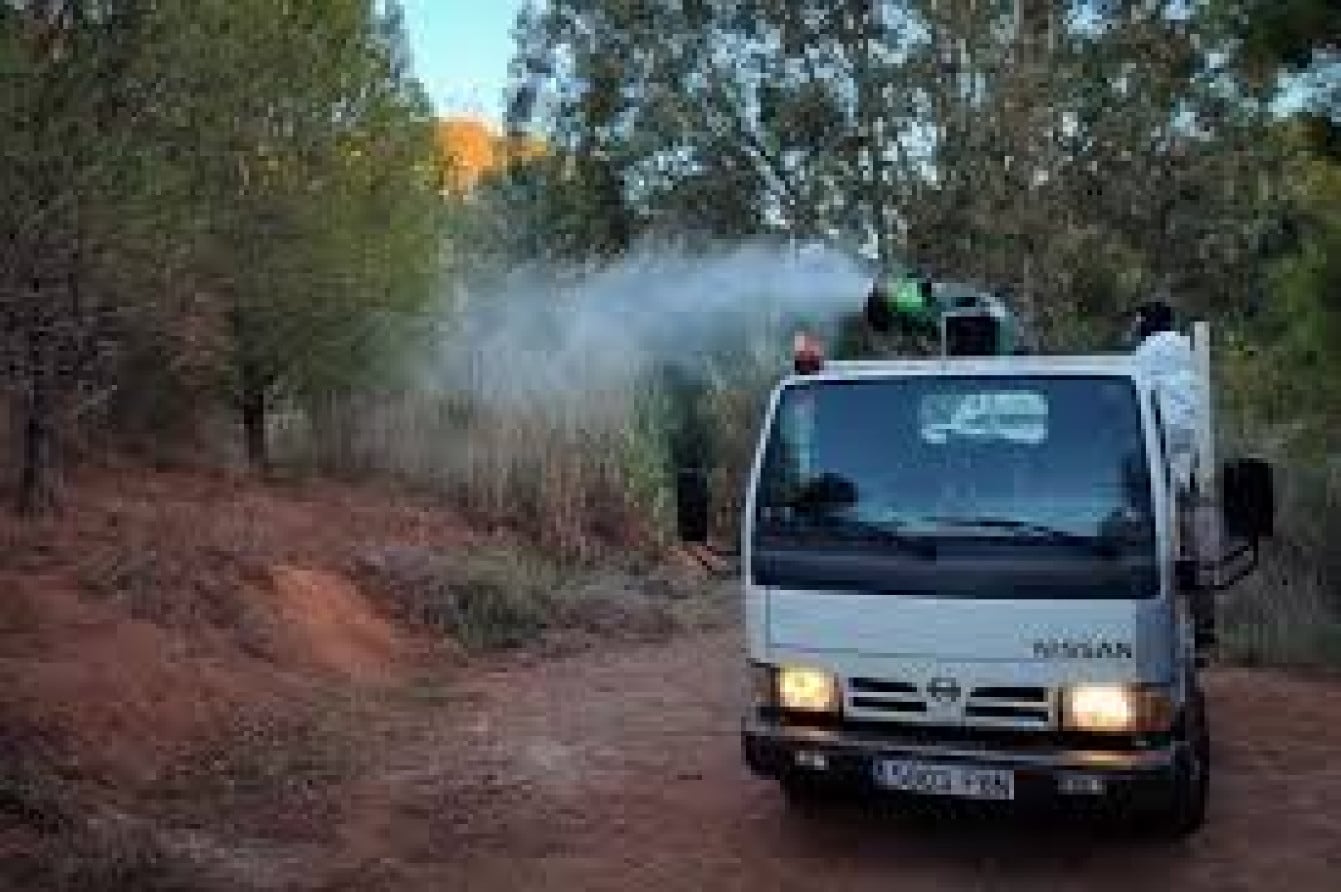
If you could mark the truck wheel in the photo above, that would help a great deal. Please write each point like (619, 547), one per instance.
(1181, 810)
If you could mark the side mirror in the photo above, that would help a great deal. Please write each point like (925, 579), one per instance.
(1248, 499)
(691, 505)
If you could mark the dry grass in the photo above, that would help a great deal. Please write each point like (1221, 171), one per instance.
(573, 481)
(274, 773)
(578, 474)
(171, 576)
(487, 599)
(109, 855)
(501, 597)
(50, 836)
(736, 413)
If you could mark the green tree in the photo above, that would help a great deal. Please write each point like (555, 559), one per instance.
(320, 232)
(1285, 365)
(85, 218)
(1080, 154)
(245, 181)
(1271, 35)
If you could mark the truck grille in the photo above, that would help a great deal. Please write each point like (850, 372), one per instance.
(1009, 706)
(986, 706)
(885, 696)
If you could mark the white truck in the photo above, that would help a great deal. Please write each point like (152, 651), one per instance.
(975, 577)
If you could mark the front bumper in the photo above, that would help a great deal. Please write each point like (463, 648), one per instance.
(847, 757)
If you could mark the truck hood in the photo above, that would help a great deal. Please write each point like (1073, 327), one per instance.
(1096, 639)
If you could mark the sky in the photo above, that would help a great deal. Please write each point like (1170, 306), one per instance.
(461, 51)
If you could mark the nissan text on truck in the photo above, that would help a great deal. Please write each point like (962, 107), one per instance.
(973, 576)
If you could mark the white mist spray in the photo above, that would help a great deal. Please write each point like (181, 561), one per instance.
(537, 340)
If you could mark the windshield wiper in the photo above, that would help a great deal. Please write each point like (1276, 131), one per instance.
(887, 535)
(1036, 531)
(875, 533)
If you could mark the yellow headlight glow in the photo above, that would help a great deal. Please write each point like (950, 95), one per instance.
(1118, 708)
(1100, 708)
(811, 690)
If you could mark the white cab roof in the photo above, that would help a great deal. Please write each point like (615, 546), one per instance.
(1123, 365)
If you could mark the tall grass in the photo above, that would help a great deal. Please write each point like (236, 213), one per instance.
(574, 476)
(1289, 612)
(577, 471)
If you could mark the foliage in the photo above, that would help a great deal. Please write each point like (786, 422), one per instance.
(1274, 34)
(1080, 155)
(243, 188)
(322, 234)
(1282, 365)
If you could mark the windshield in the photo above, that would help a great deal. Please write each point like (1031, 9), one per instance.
(977, 486)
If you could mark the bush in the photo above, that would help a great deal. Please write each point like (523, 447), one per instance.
(485, 600)
(503, 597)
(169, 565)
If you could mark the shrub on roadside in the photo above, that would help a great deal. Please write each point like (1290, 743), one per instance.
(506, 597)
(485, 599)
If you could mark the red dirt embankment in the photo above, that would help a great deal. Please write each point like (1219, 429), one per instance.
(156, 606)
(330, 622)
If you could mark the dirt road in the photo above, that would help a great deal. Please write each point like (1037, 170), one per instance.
(622, 772)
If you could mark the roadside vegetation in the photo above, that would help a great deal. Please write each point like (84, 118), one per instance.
(207, 268)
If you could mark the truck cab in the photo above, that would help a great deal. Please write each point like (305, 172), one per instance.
(976, 577)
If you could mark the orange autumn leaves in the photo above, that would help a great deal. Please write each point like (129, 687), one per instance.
(469, 149)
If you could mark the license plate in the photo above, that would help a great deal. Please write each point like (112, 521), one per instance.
(961, 781)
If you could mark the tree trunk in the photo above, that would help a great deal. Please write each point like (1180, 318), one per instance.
(37, 478)
(254, 420)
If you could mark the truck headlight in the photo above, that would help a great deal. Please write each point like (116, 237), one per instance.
(807, 690)
(1117, 708)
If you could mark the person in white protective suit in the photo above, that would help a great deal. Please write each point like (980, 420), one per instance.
(1166, 357)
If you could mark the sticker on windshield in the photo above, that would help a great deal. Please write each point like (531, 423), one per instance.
(1016, 416)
